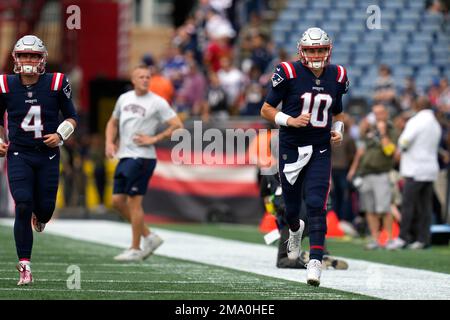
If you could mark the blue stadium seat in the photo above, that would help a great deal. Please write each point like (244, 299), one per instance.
(348, 4)
(410, 14)
(407, 26)
(355, 26)
(341, 50)
(364, 60)
(391, 59)
(292, 15)
(428, 71)
(419, 4)
(397, 4)
(349, 37)
(403, 71)
(374, 36)
(338, 14)
(298, 4)
(313, 14)
(430, 27)
(424, 37)
(341, 58)
(322, 4)
(417, 60)
(400, 37)
(282, 26)
(353, 72)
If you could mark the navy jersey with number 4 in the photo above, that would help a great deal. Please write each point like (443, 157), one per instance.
(300, 91)
(33, 111)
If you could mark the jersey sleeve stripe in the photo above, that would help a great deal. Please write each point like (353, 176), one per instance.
(55, 82)
(287, 69)
(59, 81)
(341, 74)
(3, 83)
(293, 69)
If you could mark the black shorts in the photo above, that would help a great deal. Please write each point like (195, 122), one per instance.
(132, 176)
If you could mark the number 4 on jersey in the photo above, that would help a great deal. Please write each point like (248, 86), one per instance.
(32, 121)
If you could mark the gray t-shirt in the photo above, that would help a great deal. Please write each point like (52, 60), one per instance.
(139, 114)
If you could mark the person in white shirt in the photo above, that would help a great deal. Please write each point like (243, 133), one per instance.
(419, 145)
(130, 137)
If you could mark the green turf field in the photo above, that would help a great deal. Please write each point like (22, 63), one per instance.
(157, 278)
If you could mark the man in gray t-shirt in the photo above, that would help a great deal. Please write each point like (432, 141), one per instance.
(130, 137)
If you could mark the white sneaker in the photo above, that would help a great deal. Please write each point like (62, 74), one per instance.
(396, 244)
(417, 245)
(295, 242)
(150, 244)
(313, 271)
(130, 255)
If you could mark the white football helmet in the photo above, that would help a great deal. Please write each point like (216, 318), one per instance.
(30, 44)
(314, 38)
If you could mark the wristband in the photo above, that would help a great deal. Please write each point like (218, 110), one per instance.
(338, 126)
(281, 119)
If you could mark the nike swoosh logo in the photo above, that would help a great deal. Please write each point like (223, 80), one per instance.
(51, 157)
(322, 151)
(16, 153)
(278, 69)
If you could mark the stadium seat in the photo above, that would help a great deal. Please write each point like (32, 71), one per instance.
(397, 4)
(348, 4)
(338, 14)
(299, 4)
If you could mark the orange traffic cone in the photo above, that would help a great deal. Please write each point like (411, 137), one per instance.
(333, 229)
(383, 237)
(268, 223)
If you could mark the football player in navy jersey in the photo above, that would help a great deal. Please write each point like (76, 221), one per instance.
(310, 91)
(33, 100)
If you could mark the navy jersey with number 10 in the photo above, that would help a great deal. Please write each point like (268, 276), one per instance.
(33, 111)
(300, 91)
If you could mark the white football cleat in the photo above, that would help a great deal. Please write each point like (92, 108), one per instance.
(150, 244)
(25, 276)
(396, 244)
(129, 255)
(37, 226)
(313, 272)
(295, 242)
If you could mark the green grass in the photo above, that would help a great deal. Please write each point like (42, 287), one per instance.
(435, 258)
(156, 278)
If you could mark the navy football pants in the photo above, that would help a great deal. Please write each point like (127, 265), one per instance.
(33, 180)
(312, 185)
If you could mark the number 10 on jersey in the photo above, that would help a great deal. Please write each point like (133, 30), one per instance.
(317, 105)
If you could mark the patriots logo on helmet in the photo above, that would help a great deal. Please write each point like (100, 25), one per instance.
(276, 79)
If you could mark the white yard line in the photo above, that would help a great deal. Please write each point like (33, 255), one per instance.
(367, 278)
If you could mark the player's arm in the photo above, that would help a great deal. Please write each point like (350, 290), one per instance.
(173, 123)
(271, 114)
(67, 127)
(111, 135)
(273, 99)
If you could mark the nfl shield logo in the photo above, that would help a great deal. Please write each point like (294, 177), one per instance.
(317, 82)
(29, 94)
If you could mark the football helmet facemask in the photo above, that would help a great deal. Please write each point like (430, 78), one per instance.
(32, 45)
(315, 38)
